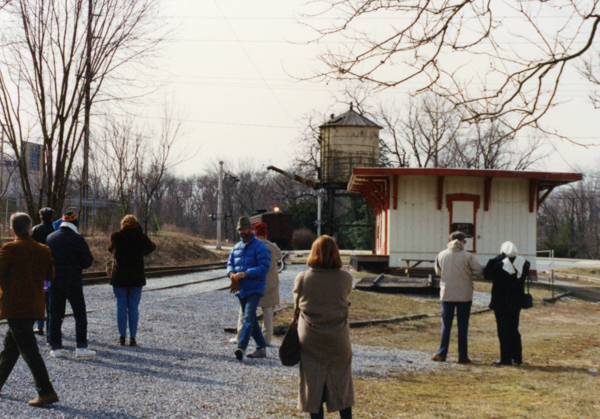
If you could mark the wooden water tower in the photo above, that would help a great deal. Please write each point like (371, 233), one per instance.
(347, 141)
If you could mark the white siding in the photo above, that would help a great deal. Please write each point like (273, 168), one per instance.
(418, 230)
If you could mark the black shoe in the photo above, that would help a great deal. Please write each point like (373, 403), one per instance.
(132, 342)
(121, 341)
(499, 362)
(239, 353)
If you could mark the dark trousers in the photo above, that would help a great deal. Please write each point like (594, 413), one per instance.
(20, 340)
(509, 336)
(463, 312)
(59, 294)
(344, 414)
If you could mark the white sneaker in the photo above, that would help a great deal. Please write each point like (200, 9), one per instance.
(84, 353)
(58, 353)
(233, 340)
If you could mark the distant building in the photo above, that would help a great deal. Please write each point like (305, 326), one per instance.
(417, 208)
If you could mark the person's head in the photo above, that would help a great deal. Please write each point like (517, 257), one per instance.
(47, 214)
(509, 249)
(260, 230)
(324, 254)
(460, 236)
(70, 217)
(20, 224)
(244, 228)
(129, 221)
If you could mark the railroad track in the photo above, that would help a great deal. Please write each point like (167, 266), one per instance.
(100, 277)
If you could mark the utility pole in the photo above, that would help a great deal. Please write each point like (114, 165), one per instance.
(87, 105)
(219, 205)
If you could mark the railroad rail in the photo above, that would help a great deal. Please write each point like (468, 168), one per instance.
(100, 277)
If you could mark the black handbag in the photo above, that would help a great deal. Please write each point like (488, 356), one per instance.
(526, 298)
(289, 351)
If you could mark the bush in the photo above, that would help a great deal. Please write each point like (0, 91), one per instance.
(303, 239)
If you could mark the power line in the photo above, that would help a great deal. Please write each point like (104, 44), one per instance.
(252, 61)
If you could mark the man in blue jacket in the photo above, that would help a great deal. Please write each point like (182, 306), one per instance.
(247, 268)
(71, 256)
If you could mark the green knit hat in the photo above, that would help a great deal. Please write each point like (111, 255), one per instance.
(244, 222)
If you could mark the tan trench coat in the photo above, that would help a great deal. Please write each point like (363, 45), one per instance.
(271, 297)
(326, 353)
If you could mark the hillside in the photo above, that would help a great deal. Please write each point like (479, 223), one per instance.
(171, 249)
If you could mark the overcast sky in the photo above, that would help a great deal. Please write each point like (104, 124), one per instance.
(229, 68)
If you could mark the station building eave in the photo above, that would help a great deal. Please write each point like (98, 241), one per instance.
(379, 186)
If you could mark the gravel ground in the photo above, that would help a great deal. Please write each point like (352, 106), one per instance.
(183, 367)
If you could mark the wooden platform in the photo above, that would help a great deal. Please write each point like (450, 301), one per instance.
(400, 284)
(371, 263)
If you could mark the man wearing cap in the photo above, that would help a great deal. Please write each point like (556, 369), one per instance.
(24, 266)
(247, 268)
(270, 300)
(71, 255)
(39, 234)
(457, 268)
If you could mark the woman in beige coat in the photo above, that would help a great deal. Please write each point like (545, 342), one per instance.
(326, 354)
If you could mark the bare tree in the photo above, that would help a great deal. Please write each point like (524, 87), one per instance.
(118, 154)
(491, 59)
(42, 76)
(154, 159)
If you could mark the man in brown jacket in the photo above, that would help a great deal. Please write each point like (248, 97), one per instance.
(24, 266)
(457, 267)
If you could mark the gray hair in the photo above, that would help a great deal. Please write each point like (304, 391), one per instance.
(20, 223)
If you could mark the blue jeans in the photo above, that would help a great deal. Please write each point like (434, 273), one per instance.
(250, 326)
(59, 294)
(463, 311)
(128, 301)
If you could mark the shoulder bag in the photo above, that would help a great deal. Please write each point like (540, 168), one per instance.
(527, 299)
(289, 351)
(111, 267)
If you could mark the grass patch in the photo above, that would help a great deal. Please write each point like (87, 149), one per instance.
(589, 272)
(368, 305)
(561, 351)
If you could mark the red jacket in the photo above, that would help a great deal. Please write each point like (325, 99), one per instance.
(24, 266)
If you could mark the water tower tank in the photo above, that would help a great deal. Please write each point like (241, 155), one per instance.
(347, 141)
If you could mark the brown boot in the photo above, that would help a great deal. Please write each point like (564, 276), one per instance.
(44, 400)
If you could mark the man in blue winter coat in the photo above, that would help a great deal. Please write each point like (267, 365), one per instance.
(71, 255)
(247, 268)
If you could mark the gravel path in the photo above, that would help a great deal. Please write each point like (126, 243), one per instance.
(183, 367)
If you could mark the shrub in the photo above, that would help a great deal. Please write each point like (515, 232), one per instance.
(303, 239)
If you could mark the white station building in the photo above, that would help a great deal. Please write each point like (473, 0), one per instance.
(417, 208)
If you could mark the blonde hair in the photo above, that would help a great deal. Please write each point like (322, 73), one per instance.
(129, 221)
(324, 254)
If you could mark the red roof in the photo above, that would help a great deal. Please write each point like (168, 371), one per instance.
(545, 180)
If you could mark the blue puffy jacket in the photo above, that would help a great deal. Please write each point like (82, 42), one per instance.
(254, 258)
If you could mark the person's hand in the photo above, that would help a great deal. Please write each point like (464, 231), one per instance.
(234, 286)
(239, 276)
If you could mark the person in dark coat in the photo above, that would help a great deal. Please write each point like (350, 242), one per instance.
(129, 245)
(508, 271)
(71, 256)
(24, 266)
(39, 234)
(45, 228)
